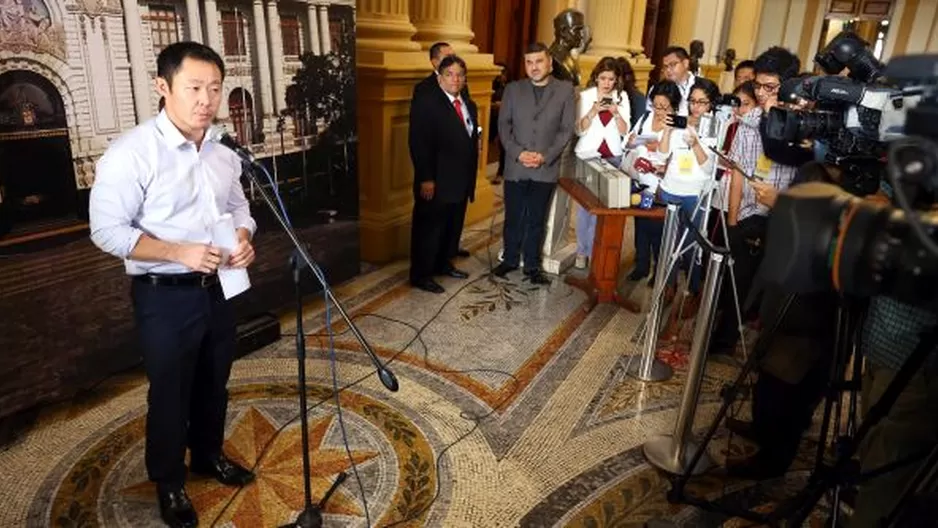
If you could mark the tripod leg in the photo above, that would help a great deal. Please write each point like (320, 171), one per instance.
(332, 489)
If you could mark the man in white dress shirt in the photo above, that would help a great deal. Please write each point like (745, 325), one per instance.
(675, 65)
(159, 191)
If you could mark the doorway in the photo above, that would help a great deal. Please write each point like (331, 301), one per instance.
(38, 192)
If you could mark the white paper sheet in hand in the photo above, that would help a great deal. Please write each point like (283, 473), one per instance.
(234, 281)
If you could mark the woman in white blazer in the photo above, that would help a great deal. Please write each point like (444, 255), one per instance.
(602, 121)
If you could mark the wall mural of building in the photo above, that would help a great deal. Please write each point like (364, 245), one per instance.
(75, 75)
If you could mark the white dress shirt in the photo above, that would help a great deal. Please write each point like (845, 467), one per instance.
(467, 119)
(153, 180)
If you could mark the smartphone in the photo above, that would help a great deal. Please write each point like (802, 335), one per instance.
(678, 121)
(735, 166)
(606, 101)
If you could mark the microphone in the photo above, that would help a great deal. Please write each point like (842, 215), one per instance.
(233, 145)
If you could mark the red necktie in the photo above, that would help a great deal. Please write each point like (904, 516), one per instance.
(458, 104)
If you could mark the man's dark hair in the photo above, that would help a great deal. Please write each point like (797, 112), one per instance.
(537, 47)
(745, 64)
(667, 89)
(676, 50)
(449, 60)
(437, 48)
(778, 61)
(170, 59)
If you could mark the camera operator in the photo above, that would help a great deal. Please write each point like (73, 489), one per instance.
(774, 164)
(793, 373)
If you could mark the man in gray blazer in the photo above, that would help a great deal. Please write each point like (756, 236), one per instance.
(536, 122)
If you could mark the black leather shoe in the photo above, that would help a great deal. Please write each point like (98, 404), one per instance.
(503, 269)
(222, 469)
(537, 277)
(463, 253)
(175, 507)
(455, 273)
(429, 285)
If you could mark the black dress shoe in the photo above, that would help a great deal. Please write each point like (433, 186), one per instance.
(455, 273)
(503, 269)
(222, 469)
(538, 277)
(429, 285)
(175, 507)
(463, 253)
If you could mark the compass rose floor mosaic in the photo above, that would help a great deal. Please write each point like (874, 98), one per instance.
(514, 410)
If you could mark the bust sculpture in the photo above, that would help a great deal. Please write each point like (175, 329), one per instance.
(571, 37)
(729, 59)
(696, 53)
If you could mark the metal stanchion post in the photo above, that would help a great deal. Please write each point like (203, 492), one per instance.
(650, 368)
(672, 453)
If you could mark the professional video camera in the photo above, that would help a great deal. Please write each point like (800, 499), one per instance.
(822, 237)
(854, 116)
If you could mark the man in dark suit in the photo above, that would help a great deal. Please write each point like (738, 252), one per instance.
(444, 149)
(535, 125)
(439, 51)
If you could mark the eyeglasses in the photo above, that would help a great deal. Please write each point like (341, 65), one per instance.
(662, 108)
(671, 65)
(699, 102)
(770, 88)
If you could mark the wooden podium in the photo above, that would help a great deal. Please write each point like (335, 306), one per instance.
(603, 279)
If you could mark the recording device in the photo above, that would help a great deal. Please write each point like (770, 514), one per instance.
(606, 101)
(823, 237)
(855, 117)
(735, 166)
(678, 121)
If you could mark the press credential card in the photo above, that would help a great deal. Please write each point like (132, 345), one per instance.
(234, 281)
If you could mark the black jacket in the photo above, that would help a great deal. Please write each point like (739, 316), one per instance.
(441, 149)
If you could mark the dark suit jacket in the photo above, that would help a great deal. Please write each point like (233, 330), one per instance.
(441, 149)
(430, 82)
(546, 127)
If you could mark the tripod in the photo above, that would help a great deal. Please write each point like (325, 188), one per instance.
(311, 516)
(824, 477)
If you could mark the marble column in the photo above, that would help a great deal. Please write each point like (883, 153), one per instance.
(139, 78)
(312, 20)
(263, 60)
(617, 29)
(383, 25)
(744, 25)
(276, 56)
(444, 20)
(325, 34)
(683, 19)
(611, 24)
(388, 65)
(195, 21)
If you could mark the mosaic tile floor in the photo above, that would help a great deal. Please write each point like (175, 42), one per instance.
(514, 410)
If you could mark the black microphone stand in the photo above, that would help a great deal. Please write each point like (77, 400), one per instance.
(311, 516)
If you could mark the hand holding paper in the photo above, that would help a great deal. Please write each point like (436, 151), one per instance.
(234, 280)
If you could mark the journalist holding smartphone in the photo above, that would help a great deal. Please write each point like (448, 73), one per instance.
(603, 118)
(689, 169)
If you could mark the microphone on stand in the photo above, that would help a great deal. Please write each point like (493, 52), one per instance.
(222, 136)
(388, 379)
